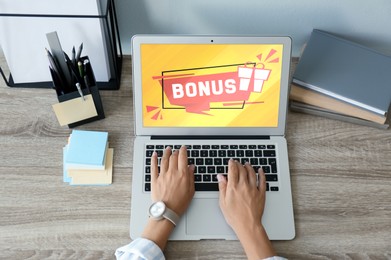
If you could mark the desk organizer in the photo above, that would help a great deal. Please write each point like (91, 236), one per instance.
(108, 20)
(93, 90)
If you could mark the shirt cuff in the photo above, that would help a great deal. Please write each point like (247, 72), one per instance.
(139, 249)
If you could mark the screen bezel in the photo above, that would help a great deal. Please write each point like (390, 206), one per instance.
(138, 40)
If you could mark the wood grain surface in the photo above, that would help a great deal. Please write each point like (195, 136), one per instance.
(341, 181)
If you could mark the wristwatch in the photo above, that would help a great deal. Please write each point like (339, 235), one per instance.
(158, 210)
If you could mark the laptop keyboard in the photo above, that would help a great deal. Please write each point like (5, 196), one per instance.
(210, 160)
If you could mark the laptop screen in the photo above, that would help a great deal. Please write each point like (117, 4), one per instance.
(210, 85)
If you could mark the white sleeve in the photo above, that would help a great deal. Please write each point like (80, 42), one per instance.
(139, 249)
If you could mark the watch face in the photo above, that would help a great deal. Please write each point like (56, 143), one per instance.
(157, 209)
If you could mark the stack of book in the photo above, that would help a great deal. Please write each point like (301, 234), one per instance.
(343, 80)
(88, 160)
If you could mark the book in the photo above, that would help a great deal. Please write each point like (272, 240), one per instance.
(346, 71)
(321, 101)
(87, 150)
(313, 110)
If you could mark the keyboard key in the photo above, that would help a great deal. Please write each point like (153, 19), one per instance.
(147, 178)
(239, 153)
(271, 146)
(249, 153)
(258, 153)
(217, 161)
(271, 177)
(211, 169)
(195, 153)
(222, 153)
(208, 161)
(233, 146)
(261, 146)
(206, 177)
(150, 147)
(231, 153)
(273, 188)
(262, 161)
(273, 165)
(147, 187)
(269, 153)
(206, 186)
(206, 147)
(204, 153)
(220, 169)
(147, 169)
(197, 177)
(224, 146)
(199, 161)
(201, 169)
(215, 146)
(197, 147)
(213, 153)
(266, 169)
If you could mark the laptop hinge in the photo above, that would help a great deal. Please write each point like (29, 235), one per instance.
(214, 137)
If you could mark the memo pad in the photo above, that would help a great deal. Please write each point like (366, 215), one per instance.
(75, 110)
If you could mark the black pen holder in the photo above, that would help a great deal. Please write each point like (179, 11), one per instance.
(86, 90)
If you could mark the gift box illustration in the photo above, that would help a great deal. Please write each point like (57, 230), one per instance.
(255, 74)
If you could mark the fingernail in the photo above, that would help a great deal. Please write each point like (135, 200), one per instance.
(220, 177)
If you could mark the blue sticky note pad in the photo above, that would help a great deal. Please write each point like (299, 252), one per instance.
(87, 150)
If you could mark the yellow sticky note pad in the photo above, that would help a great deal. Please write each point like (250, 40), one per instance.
(94, 177)
(75, 110)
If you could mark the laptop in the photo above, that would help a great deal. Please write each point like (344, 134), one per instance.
(223, 97)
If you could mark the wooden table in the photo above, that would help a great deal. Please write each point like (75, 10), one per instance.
(341, 181)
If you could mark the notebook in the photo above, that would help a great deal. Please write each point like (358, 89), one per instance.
(212, 93)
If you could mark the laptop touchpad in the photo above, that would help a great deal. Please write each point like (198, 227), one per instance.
(204, 218)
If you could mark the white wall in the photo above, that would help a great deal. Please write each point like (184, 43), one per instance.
(365, 21)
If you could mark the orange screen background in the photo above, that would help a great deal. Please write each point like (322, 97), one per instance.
(156, 58)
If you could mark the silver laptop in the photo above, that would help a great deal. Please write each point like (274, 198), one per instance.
(223, 97)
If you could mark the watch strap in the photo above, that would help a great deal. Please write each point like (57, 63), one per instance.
(171, 216)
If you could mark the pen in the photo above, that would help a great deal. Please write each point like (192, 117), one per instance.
(73, 56)
(87, 83)
(79, 52)
(74, 72)
(56, 83)
(81, 68)
(88, 72)
(79, 89)
(55, 69)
